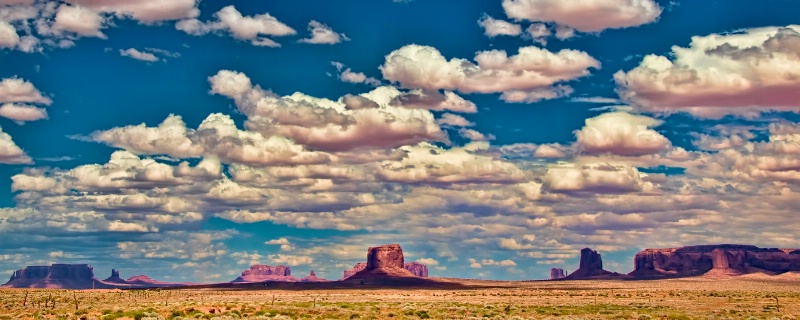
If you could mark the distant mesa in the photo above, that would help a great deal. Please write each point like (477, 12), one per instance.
(714, 261)
(591, 267)
(557, 273)
(312, 277)
(262, 273)
(56, 276)
(77, 276)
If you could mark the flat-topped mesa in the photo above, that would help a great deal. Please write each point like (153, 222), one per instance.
(262, 272)
(713, 261)
(557, 273)
(591, 267)
(56, 276)
(384, 261)
(416, 268)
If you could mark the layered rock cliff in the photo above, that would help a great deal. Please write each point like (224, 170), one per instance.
(418, 269)
(56, 276)
(262, 272)
(713, 261)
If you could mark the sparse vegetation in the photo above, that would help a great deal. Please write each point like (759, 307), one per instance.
(640, 300)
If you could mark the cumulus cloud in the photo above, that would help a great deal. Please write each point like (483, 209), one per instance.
(743, 73)
(621, 133)
(493, 27)
(133, 53)
(587, 15)
(10, 153)
(79, 20)
(453, 120)
(256, 29)
(322, 34)
(531, 70)
(216, 136)
(21, 91)
(8, 35)
(537, 95)
(325, 124)
(428, 163)
(597, 178)
(145, 11)
(22, 113)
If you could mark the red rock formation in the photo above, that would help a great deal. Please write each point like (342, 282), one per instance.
(418, 269)
(556, 273)
(114, 278)
(56, 276)
(384, 261)
(358, 267)
(713, 261)
(261, 273)
(312, 277)
(591, 267)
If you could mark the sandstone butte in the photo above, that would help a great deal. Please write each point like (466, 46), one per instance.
(384, 261)
(556, 273)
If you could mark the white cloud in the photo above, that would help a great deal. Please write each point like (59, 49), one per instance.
(585, 15)
(539, 32)
(145, 11)
(79, 20)
(449, 119)
(493, 27)
(133, 53)
(537, 95)
(19, 90)
(8, 35)
(21, 113)
(531, 70)
(216, 136)
(290, 260)
(10, 153)
(322, 34)
(428, 261)
(325, 124)
(596, 178)
(283, 242)
(743, 73)
(358, 77)
(475, 135)
(622, 134)
(255, 29)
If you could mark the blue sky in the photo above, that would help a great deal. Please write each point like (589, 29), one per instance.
(491, 139)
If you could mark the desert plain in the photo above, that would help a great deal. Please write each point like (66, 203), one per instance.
(743, 297)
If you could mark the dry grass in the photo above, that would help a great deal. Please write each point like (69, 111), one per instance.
(667, 299)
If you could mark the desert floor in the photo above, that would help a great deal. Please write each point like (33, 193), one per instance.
(744, 298)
